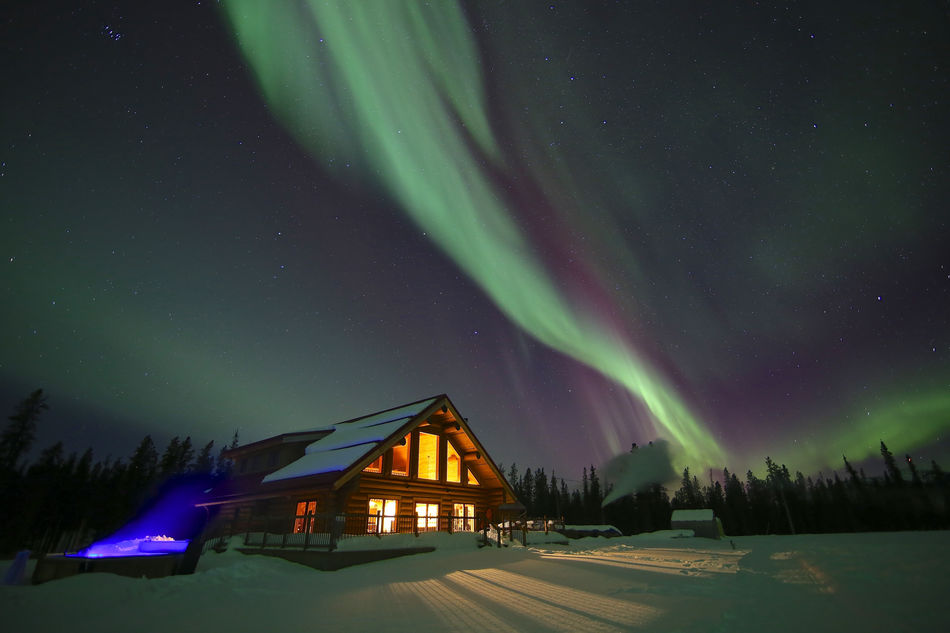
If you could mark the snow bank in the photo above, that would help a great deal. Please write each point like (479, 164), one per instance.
(656, 582)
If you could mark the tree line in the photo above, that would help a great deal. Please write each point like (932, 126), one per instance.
(915, 499)
(59, 494)
(76, 494)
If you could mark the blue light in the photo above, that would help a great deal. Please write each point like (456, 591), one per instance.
(166, 526)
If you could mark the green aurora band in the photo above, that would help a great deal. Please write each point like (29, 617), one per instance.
(396, 89)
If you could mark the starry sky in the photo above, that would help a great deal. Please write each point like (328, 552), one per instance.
(591, 224)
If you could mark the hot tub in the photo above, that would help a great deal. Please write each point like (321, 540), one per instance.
(149, 557)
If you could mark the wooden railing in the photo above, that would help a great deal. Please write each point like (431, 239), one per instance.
(324, 531)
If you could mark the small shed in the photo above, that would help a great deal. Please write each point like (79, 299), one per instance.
(701, 522)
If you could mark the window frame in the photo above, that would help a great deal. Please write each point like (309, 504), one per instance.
(428, 522)
(438, 457)
(372, 468)
(304, 516)
(408, 462)
(389, 523)
(466, 520)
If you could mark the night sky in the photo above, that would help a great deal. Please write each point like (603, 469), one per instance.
(591, 224)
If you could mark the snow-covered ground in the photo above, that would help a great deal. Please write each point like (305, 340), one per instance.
(841, 582)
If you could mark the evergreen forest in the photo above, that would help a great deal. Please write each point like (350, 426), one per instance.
(59, 500)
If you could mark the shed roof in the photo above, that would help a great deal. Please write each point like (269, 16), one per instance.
(705, 514)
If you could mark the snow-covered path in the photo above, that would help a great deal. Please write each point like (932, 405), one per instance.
(863, 582)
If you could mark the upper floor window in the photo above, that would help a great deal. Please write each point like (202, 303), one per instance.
(428, 456)
(453, 465)
(401, 457)
(376, 466)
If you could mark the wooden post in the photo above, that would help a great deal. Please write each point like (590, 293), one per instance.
(307, 527)
(247, 527)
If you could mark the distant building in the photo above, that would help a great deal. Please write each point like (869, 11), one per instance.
(701, 522)
(413, 468)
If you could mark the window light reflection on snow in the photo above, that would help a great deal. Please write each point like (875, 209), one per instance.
(678, 562)
(540, 600)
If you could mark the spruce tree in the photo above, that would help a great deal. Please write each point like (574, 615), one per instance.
(186, 454)
(595, 498)
(892, 473)
(225, 466)
(17, 438)
(169, 464)
(144, 461)
(204, 463)
(914, 475)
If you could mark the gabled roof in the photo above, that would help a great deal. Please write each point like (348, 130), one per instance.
(341, 451)
(348, 441)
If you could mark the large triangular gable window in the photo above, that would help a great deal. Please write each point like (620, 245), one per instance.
(376, 466)
(453, 465)
(401, 457)
(428, 456)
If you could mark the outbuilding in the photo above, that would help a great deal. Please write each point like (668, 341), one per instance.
(701, 522)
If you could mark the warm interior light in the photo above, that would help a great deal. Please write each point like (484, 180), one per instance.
(428, 456)
(464, 515)
(382, 516)
(453, 465)
(401, 457)
(304, 508)
(471, 478)
(376, 466)
(427, 516)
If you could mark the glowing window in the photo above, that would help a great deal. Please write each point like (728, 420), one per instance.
(471, 478)
(463, 517)
(303, 521)
(453, 465)
(401, 458)
(376, 466)
(428, 456)
(427, 516)
(382, 516)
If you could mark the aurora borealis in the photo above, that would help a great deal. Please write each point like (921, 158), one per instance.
(589, 224)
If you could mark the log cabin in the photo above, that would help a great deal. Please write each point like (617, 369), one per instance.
(415, 467)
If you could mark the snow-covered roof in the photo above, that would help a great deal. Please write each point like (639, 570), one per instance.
(349, 441)
(705, 514)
